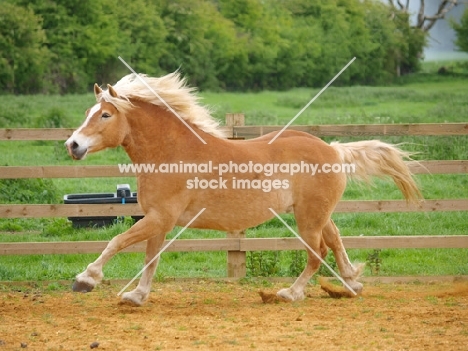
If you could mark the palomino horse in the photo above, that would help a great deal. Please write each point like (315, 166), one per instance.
(131, 115)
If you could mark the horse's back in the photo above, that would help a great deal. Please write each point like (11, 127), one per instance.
(289, 146)
(286, 134)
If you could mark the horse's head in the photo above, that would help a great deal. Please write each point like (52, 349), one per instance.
(105, 126)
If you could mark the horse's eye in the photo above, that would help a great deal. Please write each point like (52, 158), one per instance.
(105, 115)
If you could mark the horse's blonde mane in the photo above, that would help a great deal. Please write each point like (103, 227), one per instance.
(172, 88)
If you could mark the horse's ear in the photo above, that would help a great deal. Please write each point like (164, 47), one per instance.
(112, 92)
(97, 90)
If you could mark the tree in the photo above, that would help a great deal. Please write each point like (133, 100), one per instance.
(202, 43)
(140, 42)
(332, 32)
(66, 46)
(270, 44)
(81, 36)
(417, 34)
(426, 22)
(24, 59)
(462, 32)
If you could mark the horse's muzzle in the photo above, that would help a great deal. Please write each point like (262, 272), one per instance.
(76, 151)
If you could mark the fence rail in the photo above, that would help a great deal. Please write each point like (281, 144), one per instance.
(240, 244)
(90, 210)
(361, 130)
(235, 244)
(423, 167)
(446, 129)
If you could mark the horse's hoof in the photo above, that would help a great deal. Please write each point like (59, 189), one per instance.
(132, 299)
(129, 303)
(289, 295)
(81, 287)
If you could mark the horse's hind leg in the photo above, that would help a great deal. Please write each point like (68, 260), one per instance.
(296, 291)
(331, 236)
(140, 294)
(310, 230)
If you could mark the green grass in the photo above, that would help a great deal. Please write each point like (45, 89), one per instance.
(422, 98)
(433, 102)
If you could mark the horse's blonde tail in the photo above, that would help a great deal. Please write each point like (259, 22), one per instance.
(376, 158)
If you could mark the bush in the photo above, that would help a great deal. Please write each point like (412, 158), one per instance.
(28, 191)
(283, 264)
(263, 264)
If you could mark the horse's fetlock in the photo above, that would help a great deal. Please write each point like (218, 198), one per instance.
(94, 272)
(356, 286)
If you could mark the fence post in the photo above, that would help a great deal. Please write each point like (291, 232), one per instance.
(236, 260)
(233, 120)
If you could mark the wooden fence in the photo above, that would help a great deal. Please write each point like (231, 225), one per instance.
(235, 244)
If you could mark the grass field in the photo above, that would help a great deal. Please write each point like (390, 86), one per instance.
(422, 98)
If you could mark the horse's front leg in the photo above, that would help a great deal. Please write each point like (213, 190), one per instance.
(140, 294)
(144, 229)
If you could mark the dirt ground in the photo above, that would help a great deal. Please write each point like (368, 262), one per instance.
(202, 315)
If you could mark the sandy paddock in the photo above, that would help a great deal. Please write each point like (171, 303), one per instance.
(220, 315)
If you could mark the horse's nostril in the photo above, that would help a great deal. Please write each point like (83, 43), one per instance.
(75, 145)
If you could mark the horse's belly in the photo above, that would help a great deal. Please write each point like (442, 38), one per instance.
(238, 212)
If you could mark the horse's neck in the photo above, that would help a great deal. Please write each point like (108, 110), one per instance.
(155, 133)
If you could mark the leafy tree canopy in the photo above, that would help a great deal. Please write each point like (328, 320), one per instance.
(462, 32)
(59, 46)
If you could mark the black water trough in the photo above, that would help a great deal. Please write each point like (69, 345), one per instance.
(122, 196)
